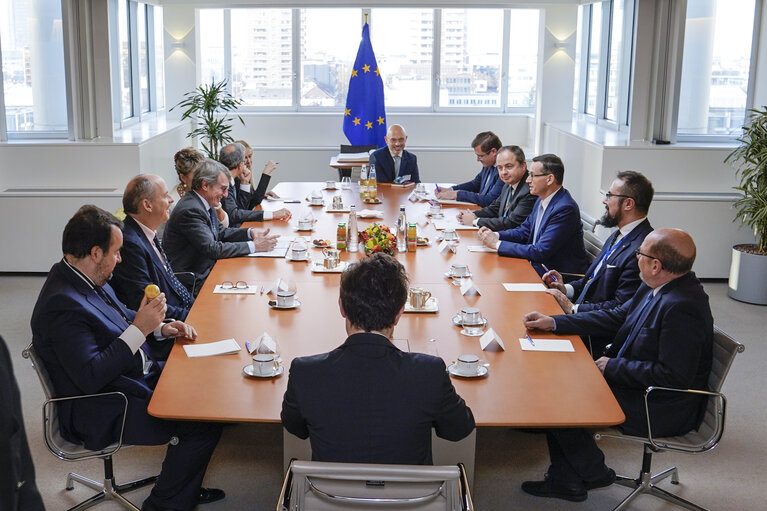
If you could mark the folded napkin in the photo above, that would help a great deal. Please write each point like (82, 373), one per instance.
(370, 213)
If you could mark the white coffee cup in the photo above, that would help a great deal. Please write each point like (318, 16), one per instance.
(286, 298)
(265, 364)
(305, 223)
(459, 270)
(435, 210)
(468, 364)
(330, 185)
(316, 200)
(298, 252)
(471, 316)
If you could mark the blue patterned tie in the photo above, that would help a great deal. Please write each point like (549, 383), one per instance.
(178, 287)
(213, 221)
(603, 261)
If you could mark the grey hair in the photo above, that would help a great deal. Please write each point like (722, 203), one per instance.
(207, 171)
(232, 155)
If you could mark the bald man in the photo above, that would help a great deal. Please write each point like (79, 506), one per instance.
(393, 163)
(663, 337)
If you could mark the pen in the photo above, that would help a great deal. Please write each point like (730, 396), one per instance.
(531, 341)
(262, 289)
(437, 188)
(553, 278)
(247, 345)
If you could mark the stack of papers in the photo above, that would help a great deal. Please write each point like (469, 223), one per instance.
(353, 157)
(212, 348)
(279, 250)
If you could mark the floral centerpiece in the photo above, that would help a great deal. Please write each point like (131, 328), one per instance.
(378, 238)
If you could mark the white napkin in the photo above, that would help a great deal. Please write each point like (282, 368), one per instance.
(370, 213)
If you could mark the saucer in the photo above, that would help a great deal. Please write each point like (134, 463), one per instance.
(273, 304)
(457, 321)
(302, 229)
(304, 260)
(453, 369)
(449, 275)
(432, 305)
(248, 371)
(479, 333)
(311, 203)
(319, 267)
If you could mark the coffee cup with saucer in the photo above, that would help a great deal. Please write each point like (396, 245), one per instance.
(265, 365)
(467, 366)
(298, 251)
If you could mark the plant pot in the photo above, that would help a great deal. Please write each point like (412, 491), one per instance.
(748, 276)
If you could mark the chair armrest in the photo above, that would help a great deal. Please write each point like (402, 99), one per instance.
(188, 279)
(721, 405)
(283, 502)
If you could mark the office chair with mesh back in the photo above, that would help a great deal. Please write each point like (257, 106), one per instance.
(705, 438)
(68, 451)
(319, 486)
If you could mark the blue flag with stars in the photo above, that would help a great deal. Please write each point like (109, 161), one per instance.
(365, 114)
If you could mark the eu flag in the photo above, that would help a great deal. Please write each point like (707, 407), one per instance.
(365, 115)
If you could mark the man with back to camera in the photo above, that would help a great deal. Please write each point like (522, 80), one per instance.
(552, 235)
(240, 200)
(662, 336)
(194, 239)
(486, 185)
(515, 202)
(367, 401)
(613, 277)
(393, 163)
(91, 343)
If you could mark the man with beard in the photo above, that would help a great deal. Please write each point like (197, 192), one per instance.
(613, 277)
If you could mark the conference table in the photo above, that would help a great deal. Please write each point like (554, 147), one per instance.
(522, 388)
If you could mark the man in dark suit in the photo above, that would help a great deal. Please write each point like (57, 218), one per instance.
(552, 235)
(18, 490)
(486, 185)
(613, 277)
(194, 239)
(367, 401)
(240, 199)
(146, 202)
(515, 202)
(392, 162)
(663, 336)
(91, 343)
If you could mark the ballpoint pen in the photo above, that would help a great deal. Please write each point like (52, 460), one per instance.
(529, 339)
(436, 187)
(553, 278)
(262, 290)
(247, 346)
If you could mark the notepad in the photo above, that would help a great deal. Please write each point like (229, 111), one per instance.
(481, 248)
(250, 290)
(534, 286)
(212, 348)
(546, 345)
(279, 250)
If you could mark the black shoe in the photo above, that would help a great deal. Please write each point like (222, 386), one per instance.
(208, 495)
(606, 479)
(549, 488)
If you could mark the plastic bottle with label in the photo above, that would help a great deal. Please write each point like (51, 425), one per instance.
(402, 230)
(353, 244)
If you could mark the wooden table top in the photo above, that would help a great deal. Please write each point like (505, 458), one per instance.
(523, 388)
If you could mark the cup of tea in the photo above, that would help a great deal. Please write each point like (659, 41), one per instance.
(419, 297)
(459, 270)
(265, 364)
(298, 252)
(468, 365)
(332, 258)
(286, 298)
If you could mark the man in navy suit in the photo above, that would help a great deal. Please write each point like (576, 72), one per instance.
(146, 202)
(663, 336)
(367, 401)
(240, 200)
(91, 343)
(392, 162)
(486, 185)
(613, 277)
(552, 236)
(515, 202)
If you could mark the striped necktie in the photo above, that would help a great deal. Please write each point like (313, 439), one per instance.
(178, 287)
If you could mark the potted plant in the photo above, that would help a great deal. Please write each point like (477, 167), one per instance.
(748, 270)
(210, 105)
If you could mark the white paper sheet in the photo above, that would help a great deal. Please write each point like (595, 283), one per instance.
(212, 348)
(250, 290)
(442, 223)
(516, 286)
(546, 345)
(278, 251)
(481, 248)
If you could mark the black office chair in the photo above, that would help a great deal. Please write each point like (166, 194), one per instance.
(704, 439)
(68, 451)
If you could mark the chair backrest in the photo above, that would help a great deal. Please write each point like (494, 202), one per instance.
(319, 486)
(591, 241)
(724, 351)
(345, 148)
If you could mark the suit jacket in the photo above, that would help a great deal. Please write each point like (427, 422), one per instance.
(618, 278)
(75, 333)
(560, 241)
(140, 266)
(670, 344)
(509, 210)
(483, 189)
(237, 204)
(252, 198)
(368, 402)
(18, 491)
(191, 244)
(384, 163)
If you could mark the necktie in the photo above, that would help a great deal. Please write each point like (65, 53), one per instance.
(538, 218)
(233, 190)
(640, 315)
(105, 297)
(507, 198)
(178, 287)
(213, 221)
(397, 163)
(602, 261)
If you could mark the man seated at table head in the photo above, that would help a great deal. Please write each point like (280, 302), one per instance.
(266, 175)
(662, 336)
(91, 343)
(486, 185)
(613, 276)
(367, 401)
(194, 239)
(240, 200)
(552, 235)
(393, 163)
(515, 201)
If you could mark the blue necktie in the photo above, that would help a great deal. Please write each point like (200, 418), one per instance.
(602, 261)
(638, 325)
(180, 289)
(213, 221)
(538, 218)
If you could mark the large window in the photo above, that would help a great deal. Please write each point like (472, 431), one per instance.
(715, 67)
(301, 58)
(33, 98)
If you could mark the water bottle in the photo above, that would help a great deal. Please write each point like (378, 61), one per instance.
(372, 182)
(402, 230)
(364, 182)
(353, 244)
